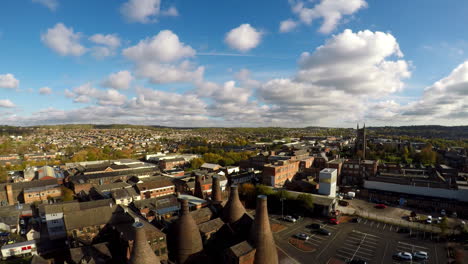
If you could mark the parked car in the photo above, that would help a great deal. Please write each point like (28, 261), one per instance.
(380, 206)
(403, 256)
(443, 213)
(302, 236)
(420, 255)
(325, 232)
(333, 221)
(315, 226)
(289, 219)
(429, 219)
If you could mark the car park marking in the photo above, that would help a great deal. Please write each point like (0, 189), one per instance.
(411, 245)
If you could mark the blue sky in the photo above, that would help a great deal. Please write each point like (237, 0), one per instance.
(231, 63)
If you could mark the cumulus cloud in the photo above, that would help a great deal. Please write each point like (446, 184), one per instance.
(63, 40)
(243, 38)
(5, 103)
(165, 47)
(145, 11)
(158, 59)
(357, 63)
(45, 90)
(120, 80)
(8, 81)
(330, 11)
(169, 73)
(287, 25)
(86, 93)
(446, 99)
(51, 4)
(108, 44)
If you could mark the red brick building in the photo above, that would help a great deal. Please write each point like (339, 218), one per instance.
(156, 187)
(277, 174)
(168, 164)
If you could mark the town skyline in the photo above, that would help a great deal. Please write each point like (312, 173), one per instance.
(292, 65)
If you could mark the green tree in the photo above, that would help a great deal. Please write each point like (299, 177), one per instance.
(306, 201)
(196, 163)
(68, 194)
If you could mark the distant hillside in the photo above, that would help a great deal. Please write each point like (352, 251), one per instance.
(446, 132)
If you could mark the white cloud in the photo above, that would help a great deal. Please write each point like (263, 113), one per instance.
(8, 81)
(243, 38)
(110, 40)
(356, 63)
(158, 59)
(108, 44)
(172, 11)
(120, 80)
(445, 100)
(145, 11)
(165, 47)
(45, 90)
(51, 4)
(226, 93)
(63, 40)
(168, 73)
(331, 11)
(287, 25)
(5, 103)
(86, 93)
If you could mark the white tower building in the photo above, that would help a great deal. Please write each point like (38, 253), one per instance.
(327, 182)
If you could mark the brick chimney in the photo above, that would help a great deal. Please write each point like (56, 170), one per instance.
(216, 191)
(9, 191)
(141, 251)
(198, 192)
(188, 238)
(262, 237)
(233, 210)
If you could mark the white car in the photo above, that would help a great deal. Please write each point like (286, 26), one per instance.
(302, 236)
(420, 255)
(290, 219)
(442, 212)
(404, 256)
(429, 219)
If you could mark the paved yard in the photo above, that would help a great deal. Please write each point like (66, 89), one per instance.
(371, 241)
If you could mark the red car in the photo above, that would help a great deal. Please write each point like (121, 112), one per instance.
(381, 206)
(334, 221)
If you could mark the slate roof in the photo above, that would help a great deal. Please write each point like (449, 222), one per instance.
(88, 217)
(97, 253)
(241, 249)
(158, 182)
(211, 226)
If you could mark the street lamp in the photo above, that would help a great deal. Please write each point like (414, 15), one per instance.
(282, 201)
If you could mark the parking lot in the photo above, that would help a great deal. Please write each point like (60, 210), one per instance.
(371, 241)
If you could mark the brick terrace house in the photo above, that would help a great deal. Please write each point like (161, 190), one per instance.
(168, 164)
(155, 187)
(42, 193)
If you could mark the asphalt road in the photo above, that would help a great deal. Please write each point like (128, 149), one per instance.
(371, 241)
